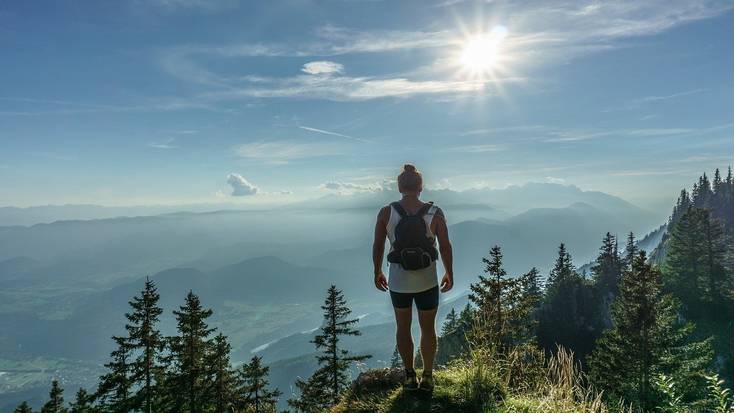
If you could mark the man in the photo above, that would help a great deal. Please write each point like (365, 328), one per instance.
(413, 227)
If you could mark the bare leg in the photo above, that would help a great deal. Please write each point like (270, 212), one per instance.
(427, 321)
(404, 339)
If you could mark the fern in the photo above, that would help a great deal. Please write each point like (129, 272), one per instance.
(719, 395)
(673, 401)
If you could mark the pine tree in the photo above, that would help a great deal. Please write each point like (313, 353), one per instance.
(23, 408)
(188, 350)
(82, 402)
(451, 322)
(647, 339)
(222, 379)
(630, 250)
(696, 265)
(569, 314)
(55, 404)
(607, 268)
(396, 362)
(254, 394)
(331, 378)
(115, 386)
(143, 336)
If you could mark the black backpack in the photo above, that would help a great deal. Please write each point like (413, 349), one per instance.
(412, 249)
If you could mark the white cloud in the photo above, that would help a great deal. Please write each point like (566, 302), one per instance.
(240, 185)
(352, 187)
(167, 144)
(284, 151)
(482, 148)
(554, 180)
(322, 67)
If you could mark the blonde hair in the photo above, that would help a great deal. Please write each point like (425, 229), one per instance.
(410, 179)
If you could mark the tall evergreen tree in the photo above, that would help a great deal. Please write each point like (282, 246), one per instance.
(630, 250)
(607, 268)
(188, 350)
(55, 403)
(502, 308)
(331, 378)
(569, 314)
(449, 325)
(647, 339)
(696, 265)
(395, 361)
(254, 393)
(82, 402)
(222, 378)
(23, 408)
(115, 386)
(144, 337)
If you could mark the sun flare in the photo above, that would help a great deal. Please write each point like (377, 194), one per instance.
(480, 52)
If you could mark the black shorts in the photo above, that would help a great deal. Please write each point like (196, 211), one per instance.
(424, 300)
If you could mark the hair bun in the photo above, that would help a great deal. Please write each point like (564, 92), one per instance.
(409, 167)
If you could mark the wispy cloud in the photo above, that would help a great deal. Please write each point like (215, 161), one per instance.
(284, 151)
(167, 144)
(483, 148)
(322, 67)
(330, 133)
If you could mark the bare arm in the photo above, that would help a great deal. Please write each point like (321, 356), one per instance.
(378, 248)
(444, 247)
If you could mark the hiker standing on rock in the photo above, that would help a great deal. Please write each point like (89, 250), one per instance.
(413, 226)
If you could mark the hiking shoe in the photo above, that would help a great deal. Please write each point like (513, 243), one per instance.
(426, 384)
(411, 381)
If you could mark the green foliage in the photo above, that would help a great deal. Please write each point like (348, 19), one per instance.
(144, 337)
(55, 403)
(221, 392)
(254, 394)
(115, 386)
(504, 305)
(187, 376)
(23, 408)
(327, 384)
(569, 313)
(719, 396)
(82, 402)
(647, 339)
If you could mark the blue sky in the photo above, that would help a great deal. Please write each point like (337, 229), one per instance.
(191, 101)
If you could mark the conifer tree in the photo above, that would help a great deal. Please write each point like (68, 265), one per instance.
(396, 362)
(82, 402)
(55, 403)
(449, 325)
(331, 378)
(630, 250)
(222, 378)
(569, 314)
(115, 385)
(647, 339)
(188, 375)
(144, 337)
(696, 265)
(504, 305)
(254, 393)
(607, 268)
(23, 408)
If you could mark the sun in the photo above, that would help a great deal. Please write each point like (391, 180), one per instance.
(481, 52)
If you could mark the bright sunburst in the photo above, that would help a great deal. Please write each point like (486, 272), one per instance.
(480, 52)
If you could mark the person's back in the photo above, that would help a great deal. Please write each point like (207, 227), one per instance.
(412, 227)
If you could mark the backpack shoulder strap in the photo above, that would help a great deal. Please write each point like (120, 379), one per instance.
(424, 209)
(399, 209)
